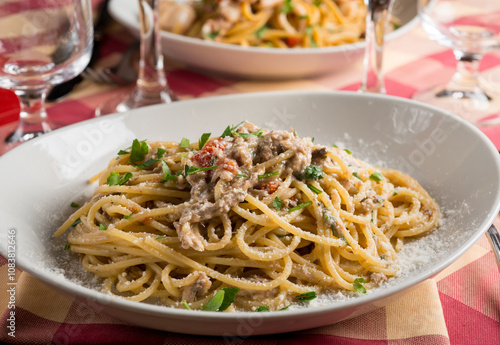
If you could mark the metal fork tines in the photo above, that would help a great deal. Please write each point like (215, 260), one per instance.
(96, 76)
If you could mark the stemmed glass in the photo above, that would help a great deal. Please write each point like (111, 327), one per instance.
(376, 22)
(471, 28)
(151, 86)
(41, 46)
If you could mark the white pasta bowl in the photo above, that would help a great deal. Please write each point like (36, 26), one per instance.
(259, 63)
(452, 159)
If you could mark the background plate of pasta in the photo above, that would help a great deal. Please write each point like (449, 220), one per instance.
(283, 211)
(272, 39)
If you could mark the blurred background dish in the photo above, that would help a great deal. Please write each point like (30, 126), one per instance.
(259, 62)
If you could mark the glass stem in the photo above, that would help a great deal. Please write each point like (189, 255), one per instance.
(376, 19)
(467, 74)
(33, 120)
(151, 87)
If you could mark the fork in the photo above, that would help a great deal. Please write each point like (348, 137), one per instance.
(123, 73)
(494, 238)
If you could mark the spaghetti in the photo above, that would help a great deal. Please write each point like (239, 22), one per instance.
(268, 214)
(268, 23)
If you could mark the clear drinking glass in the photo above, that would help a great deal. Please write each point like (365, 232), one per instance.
(376, 23)
(42, 43)
(471, 28)
(151, 86)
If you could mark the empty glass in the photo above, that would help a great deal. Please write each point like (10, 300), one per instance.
(41, 44)
(471, 28)
(376, 22)
(151, 86)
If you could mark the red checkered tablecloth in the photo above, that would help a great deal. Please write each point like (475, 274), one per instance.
(461, 305)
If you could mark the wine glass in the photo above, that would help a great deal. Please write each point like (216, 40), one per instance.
(376, 22)
(41, 44)
(151, 86)
(471, 28)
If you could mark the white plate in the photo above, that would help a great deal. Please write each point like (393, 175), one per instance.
(254, 62)
(449, 157)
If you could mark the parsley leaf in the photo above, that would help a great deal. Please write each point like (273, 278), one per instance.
(229, 296)
(259, 33)
(67, 246)
(268, 175)
(376, 176)
(115, 179)
(332, 223)
(241, 175)
(355, 174)
(160, 152)
(167, 173)
(203, 140)
(184, 303)
(313, 172)
(300, 206)
(102, 226)
(123, 152)
(358, 285)
(190, 170)
(160, 237)
(147, 163)
(288, 306)
(277, 203)
(287, 7)
(314, 189)
(263, 308)
(306, 296)
(184, 143)
(130, 215)
(139, 151)
(214, 303)
(76, 222)
(75, 205)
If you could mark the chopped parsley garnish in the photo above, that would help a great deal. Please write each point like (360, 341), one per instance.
(306, 296)
(382, 257)
(263, 308)
(75, 205)
(300, 206)
(314, 189)
(259, 33)
(376, 176)
(115, 179)
(212, 161)
(355, 174)
(268, 174)
(213, 35)
(67, 246)
(277, 203)
(222, 300)
(332, 223)
(102, 226)
(160, 237)
(348, 151)
(230, 131)
(241, 175)
(190, 170)
(394, 193)
(139, 151)
(147, 163)
(123, 152)
(167, 173)
(130, 215)
(345, 240)
(184, 303)
(313, 172)
(76, 222)
(288, 306)
(184, 143)
(287, 7)
(203, 140)
(358, 285)
(160, 152)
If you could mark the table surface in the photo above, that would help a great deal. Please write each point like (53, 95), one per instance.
(461, 305)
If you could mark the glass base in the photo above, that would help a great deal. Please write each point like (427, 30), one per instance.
(128, 101)
(26, 131)
(473, 105)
